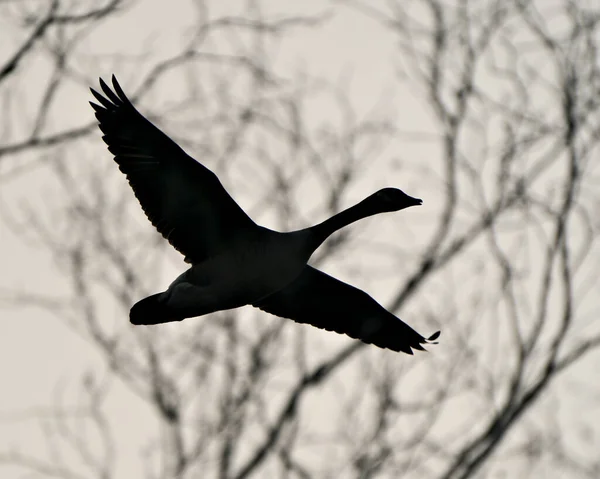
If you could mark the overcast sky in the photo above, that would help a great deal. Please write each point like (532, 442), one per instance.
(41, 358)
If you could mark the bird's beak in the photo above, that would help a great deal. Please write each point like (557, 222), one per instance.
(416, 201)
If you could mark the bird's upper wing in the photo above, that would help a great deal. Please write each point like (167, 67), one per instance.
(325, 302)
(185, 201)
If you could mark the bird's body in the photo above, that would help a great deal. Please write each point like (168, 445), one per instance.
(234, 261)
(251, 268)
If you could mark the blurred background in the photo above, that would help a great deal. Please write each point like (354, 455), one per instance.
(488, 110)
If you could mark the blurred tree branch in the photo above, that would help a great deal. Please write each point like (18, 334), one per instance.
(503, 264)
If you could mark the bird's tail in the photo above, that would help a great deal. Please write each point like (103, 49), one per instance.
(152, 310)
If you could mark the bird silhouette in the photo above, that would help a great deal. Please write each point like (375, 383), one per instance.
(234, 261)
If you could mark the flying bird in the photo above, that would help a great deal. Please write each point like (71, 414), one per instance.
(234, 261)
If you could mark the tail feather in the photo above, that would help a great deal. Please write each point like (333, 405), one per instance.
(151, 310)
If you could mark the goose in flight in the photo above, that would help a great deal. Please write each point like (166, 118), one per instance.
(234, 261)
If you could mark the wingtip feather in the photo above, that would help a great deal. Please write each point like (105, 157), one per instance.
(115, 83)
(103, 101)
(434, 336)
(112, 96)
(103, 84)
(96, 107)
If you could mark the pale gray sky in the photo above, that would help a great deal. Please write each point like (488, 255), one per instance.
(40, 357)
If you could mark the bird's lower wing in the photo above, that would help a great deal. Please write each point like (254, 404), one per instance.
(320, 300)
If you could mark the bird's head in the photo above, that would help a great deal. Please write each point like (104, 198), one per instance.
(393, 199)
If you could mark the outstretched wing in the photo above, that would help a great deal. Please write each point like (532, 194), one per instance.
(185, 201)
(325, 302)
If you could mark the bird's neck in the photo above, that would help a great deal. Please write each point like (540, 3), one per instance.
(322, 231)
